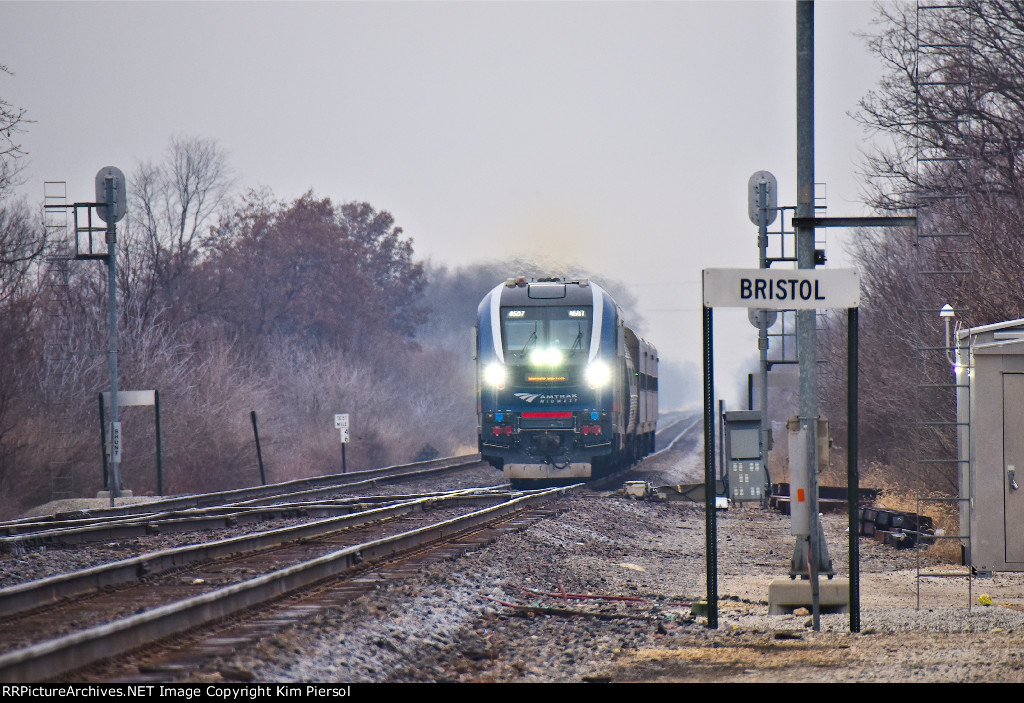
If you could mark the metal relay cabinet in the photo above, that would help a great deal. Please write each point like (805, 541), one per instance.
(743, 460)
(989, 368)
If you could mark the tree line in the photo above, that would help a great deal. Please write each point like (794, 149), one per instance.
(232, 301)
(949, 116)
(229, 303)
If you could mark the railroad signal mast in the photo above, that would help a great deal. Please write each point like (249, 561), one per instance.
(110, 207)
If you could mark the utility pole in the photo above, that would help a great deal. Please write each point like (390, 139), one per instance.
(810, 551)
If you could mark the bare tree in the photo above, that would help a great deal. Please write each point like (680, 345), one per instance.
(21, 246)
(12, 122)
(951, 104)
(172, 206)
(22, 242)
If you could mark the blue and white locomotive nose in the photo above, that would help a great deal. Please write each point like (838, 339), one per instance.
(558, 380)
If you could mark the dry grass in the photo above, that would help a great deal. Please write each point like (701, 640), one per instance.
(896, 495)
(405, 403)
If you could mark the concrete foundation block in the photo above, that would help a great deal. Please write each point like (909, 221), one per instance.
(786, 595)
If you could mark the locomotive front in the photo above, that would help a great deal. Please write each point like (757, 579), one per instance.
(547, 381)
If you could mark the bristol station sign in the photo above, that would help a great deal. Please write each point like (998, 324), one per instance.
(800, 289)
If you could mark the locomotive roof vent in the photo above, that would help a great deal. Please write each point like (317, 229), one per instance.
(520, 281)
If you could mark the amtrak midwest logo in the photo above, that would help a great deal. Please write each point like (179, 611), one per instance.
(550, 398)
(528, 397)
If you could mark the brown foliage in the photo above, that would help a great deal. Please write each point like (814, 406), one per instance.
(294, 310)
(336, 274)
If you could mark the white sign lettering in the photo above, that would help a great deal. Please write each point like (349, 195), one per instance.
(115, 442)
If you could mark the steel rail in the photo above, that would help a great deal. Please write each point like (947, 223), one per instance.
(301, 486)
(31, 594)
(679, 436)
(216, 517)
(52, 658)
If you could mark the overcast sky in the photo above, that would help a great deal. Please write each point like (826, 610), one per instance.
(618, 135)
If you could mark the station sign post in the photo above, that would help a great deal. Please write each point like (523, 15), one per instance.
(766, 289)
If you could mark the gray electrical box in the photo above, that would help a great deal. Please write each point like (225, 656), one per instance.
(743, 460)
(989, 373)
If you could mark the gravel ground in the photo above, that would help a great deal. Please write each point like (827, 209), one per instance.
(486, 617)
(470, 620)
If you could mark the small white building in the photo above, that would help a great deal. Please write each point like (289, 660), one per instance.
(990, 413)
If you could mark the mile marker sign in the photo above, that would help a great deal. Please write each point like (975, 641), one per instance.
(800, 289)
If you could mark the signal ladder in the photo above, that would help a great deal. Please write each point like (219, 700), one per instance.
(944, 245)
(57, 344)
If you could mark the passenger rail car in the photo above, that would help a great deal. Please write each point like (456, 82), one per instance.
(565, 390)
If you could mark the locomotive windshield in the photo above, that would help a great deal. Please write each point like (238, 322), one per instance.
(530, 333)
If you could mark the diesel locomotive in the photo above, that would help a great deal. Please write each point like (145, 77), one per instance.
(565, 389)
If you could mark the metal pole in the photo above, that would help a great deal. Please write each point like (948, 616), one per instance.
(710, 537)
(159, 447)
(852, 475)
(721, 440)
(343, 465)
(806, 332)
(115, 425)
(103, 445)
(762, 324)
(259, 452)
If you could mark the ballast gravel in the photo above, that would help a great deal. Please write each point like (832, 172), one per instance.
(512, 611)
(506, 613)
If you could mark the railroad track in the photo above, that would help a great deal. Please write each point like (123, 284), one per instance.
(688, 424)
(210, 510)
(154, 604)
(222, 578)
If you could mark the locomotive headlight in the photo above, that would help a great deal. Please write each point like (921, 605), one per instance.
(598, 374)
(494, 375)
(545, 357)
